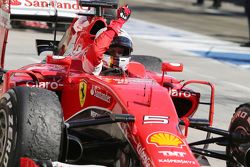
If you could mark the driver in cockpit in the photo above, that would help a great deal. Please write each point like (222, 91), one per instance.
(111, 46)
(97, 44)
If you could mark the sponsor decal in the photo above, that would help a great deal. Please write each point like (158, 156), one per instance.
(179, 93)
(177, 161)
(146, 81)
(46, 85)
(96, 91)
(68, 5)
(172, 153)
(143, 155)
(165, 139)
(15, 2)
(94, 114)
(82, 92)
(116, 80)
(8, 142)
(241, 114)
(155, 119)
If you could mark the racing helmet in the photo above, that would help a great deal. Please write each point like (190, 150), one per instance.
(118, 54)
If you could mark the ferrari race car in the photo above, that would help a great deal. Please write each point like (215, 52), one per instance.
(54, 114)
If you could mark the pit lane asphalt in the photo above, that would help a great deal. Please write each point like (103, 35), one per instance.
(215, 34)
(227, 23)
(231, 83)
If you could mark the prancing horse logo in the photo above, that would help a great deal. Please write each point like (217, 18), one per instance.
(82, 92)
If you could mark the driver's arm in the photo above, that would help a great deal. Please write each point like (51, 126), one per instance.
(92, 60)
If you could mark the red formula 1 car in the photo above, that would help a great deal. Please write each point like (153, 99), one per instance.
(54, 114)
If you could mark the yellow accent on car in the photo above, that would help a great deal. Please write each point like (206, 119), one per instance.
(165, 139)
(82, 92)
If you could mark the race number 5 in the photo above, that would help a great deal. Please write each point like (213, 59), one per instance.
(155, 120)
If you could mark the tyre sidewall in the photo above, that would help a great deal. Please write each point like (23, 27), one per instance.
(8, 105)
(35, 125)
(239, 123)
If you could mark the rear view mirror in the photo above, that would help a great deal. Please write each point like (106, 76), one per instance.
(171, 67)
(46, 45)
(136, 69)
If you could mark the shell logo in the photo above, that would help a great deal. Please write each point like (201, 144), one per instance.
(165, 139)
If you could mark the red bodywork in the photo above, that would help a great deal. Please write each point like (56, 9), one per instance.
(155, 135)
(156, 102)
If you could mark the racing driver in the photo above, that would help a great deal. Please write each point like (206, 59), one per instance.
(111, 40)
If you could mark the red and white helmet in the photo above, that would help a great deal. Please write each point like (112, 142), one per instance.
(118, 54)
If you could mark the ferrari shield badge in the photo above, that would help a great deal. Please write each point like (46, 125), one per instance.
(82, 92)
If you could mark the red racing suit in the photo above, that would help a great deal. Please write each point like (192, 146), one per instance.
(88, 47)
(92, 55)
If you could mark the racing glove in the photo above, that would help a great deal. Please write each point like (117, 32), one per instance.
(123, 14)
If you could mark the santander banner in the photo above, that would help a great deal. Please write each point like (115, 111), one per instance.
(64, 8)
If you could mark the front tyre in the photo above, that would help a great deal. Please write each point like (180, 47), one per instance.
(31, 125)
(240, 123)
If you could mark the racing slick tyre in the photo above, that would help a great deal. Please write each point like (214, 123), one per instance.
(240, 123)
(31, 125)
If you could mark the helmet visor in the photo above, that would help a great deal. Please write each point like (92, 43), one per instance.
(118, 51)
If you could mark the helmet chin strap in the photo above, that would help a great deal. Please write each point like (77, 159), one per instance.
(123, 62)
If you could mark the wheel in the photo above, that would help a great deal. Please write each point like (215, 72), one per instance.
(31, 125)
(17, 25)
(151, 63)
(240, 123)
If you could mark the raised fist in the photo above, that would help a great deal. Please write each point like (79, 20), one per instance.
(123, 13)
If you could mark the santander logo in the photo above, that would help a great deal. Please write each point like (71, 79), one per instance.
(61, 4)
(15, 2)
